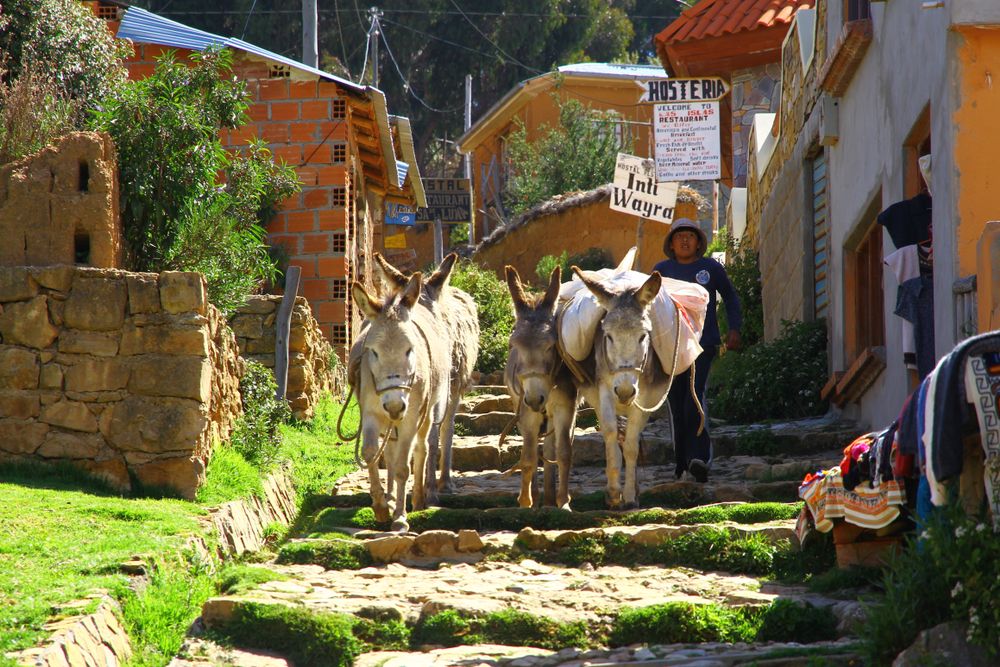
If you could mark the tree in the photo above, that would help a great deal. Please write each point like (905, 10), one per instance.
(176, 211)
(578, 154)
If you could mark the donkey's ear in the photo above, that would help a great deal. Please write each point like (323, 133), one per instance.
(551, 297)
(596, 287)
(645, 294)
(437, 280)
(391, 277)
(370, 306)
(411, 292)
(517, 294)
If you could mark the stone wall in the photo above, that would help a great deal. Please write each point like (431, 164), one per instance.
(129, 375)
(309, 352)
(60, 205)
(754, 91)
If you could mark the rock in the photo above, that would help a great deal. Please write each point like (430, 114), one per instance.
(19, 405)
(143, 293)
(173, 339)
(182, 474)
(71, 415)
(16, 284)
(473, 457)
(469, 541)
(97, 343)
(390, 548)
(21, 437)
(27, 323)
(484, 424)
(946, 641)
(179, 377)
(96, 303)
(97, 375)
(435, 544)
(182, 292)
(18, 368)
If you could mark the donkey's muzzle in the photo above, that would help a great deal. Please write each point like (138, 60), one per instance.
(535, 401)
(625, 392)
(394, 405)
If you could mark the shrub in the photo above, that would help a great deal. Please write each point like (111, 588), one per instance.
(682, 622)
(307, 637)
(34, 111)
(545, 266)
(256, 436)
(743, 269)
(591, 259)
(496, 313)
(781, 379)
(577, 154)
(786, 619)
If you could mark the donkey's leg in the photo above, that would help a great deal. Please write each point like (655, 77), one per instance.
(636, 422)
(428, 471)
(447, 438)
(549, 469)
(420, 458)
(528, 423)
(563, 417)
(612, 456)
(369, 450)
(402, 448)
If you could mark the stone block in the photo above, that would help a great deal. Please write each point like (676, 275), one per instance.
(64, 445)
(259, 305)
(19, 368)
(96, 303)
(247, 326)
(475, 457)
(469, 541)
(27, 323)
(182, 474)
(51, 377)
(21, 437)
(165, 339)
(263, 345)
(97, 375)
(143, 293)
(483, 424)
(157, 425)
(71, 415)
(297, 339)
(97, 343)
(182, 292)
(16, 284)
(179, 377)
(390, 548)
(58, 278)
(19, 405)
(57, 307)
(298, 378)
(435, 544)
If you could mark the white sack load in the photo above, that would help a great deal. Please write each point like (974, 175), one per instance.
(583, 313)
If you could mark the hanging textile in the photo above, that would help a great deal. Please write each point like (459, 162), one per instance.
(982, 387)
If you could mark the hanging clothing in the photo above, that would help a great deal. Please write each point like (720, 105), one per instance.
(827, 499)
(915, 304)
(909, 221)
(905, 265)
(982, 386)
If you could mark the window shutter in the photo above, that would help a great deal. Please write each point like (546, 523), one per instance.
(821, 227)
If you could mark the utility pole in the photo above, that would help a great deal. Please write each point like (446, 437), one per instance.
(310, 42)
(375, 13)
(468, 158)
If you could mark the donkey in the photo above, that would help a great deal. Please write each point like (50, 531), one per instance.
(402, 375)
(627, 379)
(543, 387)
(458, 316)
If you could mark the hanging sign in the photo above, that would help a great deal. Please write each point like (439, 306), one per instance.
(398, 214)
(636, 191)
(687, 145)
(396, 241)
(448, 200)
(704, 89)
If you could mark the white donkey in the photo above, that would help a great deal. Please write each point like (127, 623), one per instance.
(625, 376)
(543, 387)
(458, 317)
(402, 383)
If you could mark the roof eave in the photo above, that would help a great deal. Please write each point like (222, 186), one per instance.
(408, 150)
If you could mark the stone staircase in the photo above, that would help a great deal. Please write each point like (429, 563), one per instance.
(543, 587)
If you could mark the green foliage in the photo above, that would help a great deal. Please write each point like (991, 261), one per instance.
(683, 622)
(332, 554)
(743, 269)
(390, 634)
(158, 618)
(946, 574)
(496, 312)
(307, 637)
(788, 620)
(578, 154)
(256, 436)
(34, 112)
(839, 579)
(229, 476)
(548, 263)
(61, 41)
(315, 452)
(509, 627)
(179, 215)
(447, 628)
(780, 379)
(458, 235)
(720, 242)
(236, 578)
(592, 259)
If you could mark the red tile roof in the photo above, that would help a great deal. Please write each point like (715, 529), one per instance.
(715, 18)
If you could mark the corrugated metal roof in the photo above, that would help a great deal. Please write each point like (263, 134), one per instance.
(715, 18)
(613, 70)
(145, 27)
(401, 170)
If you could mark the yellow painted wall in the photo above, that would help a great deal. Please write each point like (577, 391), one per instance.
(978, 179)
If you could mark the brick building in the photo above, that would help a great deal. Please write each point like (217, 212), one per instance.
(350, 157)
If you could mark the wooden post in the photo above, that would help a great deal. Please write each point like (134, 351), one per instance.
(638, 244)
(283, 326)
(438, 242)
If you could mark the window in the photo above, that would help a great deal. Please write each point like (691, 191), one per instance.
(338, 289)
(108, 12)
(81, 248)
(276, 71)
(339, 334)
(856, 10)
(338, 153)
(340, 243)
(818, 215)
(864, 316)
(917, 144)
(338, 197)
(84, 180)
(339, 108)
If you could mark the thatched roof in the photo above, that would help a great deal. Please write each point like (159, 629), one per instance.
(569, 201)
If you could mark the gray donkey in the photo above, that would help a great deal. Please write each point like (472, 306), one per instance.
(401, 364)
(543, 388)
(459, 319)
(625, 376)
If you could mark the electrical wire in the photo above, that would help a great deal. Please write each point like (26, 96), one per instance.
(249, 14)
(440, 39)
(495, 45)
(406, 84)
(343, 44)
(368, 40)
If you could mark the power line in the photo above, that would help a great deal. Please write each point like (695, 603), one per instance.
(406, 84)
(423, 12)
(440, 39)
(495, 45)
(249, 14)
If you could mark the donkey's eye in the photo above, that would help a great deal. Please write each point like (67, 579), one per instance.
(409, 352)
(374, 355)
(611, 341)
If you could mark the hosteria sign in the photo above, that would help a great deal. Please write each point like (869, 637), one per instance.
(636, 191)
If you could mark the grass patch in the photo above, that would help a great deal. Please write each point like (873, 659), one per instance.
(229, 477)
(509, 627)
(64, 535)
(837, 579)
(236, 578)
(331, 554)
(317, 455)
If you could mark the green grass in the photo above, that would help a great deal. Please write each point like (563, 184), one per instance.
(229, 477)
(317, 454)
(63, 536)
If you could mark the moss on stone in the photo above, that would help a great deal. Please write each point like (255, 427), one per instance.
(236, 578)
(509, 627)
(307, 638)
(339, 554)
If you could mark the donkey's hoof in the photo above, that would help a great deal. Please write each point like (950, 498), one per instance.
(430, 500)
(400, 525)
(382, 514)
(613, 501)
(446, 487)
(630, 505)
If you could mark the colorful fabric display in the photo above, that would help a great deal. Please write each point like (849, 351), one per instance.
(982, 387)
(827, 499)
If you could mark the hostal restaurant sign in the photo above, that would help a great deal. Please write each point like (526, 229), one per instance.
(448, 200)
(687, 141)
(636, 191)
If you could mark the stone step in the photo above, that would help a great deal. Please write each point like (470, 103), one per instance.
(480, 403)
(487, 423)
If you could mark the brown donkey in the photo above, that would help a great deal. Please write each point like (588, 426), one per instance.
(459, 319)
(543, 388)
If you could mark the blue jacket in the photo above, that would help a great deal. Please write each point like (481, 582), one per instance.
(712, 276)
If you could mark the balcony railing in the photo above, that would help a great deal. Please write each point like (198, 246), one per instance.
(966, 317)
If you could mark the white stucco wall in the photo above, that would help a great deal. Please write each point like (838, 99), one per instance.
(904, 70)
